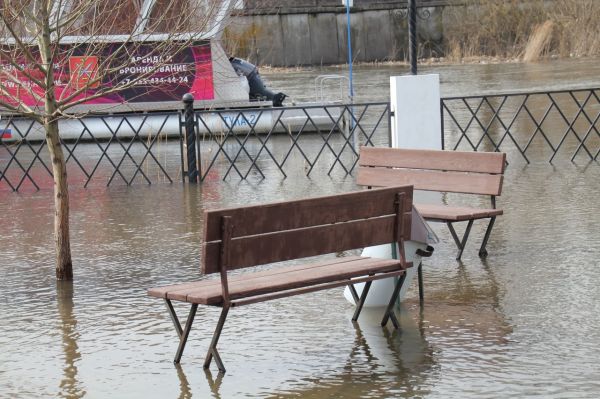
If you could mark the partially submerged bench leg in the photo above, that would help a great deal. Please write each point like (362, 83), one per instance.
(361, 301)
(482, 251)
(460, 244)
(389, 311)
(183, 334)
(212, 350)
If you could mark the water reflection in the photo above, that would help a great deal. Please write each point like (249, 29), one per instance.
(70, 387)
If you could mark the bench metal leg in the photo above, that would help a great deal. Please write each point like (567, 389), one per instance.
(186, 331)
(212, 350)
(482, 251)
(354, 293)
(389, 312)
(460, 244)
(361, 302)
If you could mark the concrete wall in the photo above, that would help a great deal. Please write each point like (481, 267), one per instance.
(320, 38)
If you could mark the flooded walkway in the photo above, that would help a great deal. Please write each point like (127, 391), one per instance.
(521, 323)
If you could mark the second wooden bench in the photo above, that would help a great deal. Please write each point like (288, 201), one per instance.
(479, 173)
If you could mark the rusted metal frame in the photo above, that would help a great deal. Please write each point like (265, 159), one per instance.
(507, 128)
(458, 125)
(149, 150)
(356, 123)
(249, 134)
(17, 162)
(294, 139)
(460, 243)
(264, 147)
(314, 288)
(240, 143)
(361, 301)
(183, 337)
(220, 145)
(326, 140)
(389, 311)
(124, 120)
(539, 127)
(592, 124)
(570, 127)
(226, 235)
(104, 153)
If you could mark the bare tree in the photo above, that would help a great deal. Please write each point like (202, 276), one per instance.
(59, 56)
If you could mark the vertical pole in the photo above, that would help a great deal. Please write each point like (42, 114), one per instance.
(350, 83)
(350, 78)
(412, 35)
(190, 137)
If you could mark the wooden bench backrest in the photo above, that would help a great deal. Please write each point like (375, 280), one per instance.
(432, 170)
(296, 229)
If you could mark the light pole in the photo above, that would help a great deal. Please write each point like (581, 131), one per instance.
(348, 4)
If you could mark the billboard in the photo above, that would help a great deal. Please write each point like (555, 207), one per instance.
(144, 74)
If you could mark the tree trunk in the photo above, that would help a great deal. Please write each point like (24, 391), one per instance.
(64, 265)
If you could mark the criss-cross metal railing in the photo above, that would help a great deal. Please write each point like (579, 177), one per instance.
(244, 141)
(546, 123)
(99, 149)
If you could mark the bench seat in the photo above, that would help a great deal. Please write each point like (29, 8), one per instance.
(455, 213)
(209, 292)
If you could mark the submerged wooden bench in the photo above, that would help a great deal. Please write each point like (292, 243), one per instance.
(478, 173)
(257, 235)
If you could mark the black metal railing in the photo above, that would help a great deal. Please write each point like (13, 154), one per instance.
(98, 150)
(546, 124)
(325, 137)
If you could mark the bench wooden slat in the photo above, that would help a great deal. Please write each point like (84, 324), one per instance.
(184, 288)
(453, 182)
(248, 287)
(297, 214)
(300, 243)
(460, 161)
(455, 213)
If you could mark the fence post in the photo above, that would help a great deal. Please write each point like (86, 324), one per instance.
(190, 137)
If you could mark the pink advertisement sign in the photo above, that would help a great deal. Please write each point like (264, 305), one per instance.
(148, 77)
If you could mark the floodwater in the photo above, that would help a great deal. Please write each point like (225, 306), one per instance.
(522, 323)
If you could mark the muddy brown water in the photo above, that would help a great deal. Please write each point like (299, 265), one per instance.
(522, 323)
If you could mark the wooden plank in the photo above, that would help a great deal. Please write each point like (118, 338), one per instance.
(454, 213)
(453, 182)
(183, 288)
(296, 214)
(459, 161)
(292, 280)
(300, 243)
(314, 288)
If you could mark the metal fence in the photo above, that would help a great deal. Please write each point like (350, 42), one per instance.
(537, 125)
(104, 150)
(148, 148)
(308, 138)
